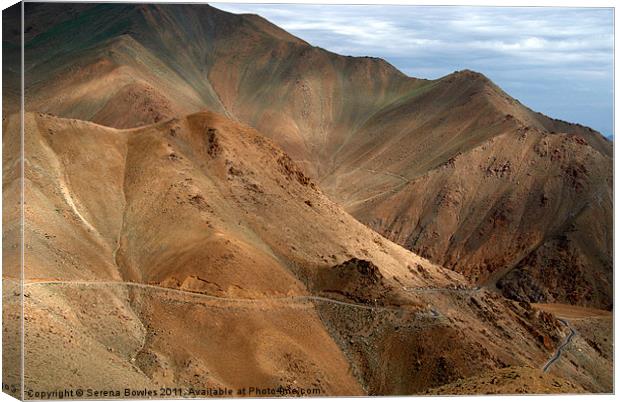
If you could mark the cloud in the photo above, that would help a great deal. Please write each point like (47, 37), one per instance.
(566, 51)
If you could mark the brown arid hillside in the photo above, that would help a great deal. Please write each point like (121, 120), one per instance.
(509, 381)
(195, 253)
(453, 169)
(213, 202)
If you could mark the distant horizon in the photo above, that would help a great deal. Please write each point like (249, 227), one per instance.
(555, 60)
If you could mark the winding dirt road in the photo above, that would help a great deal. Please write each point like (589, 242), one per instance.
(563, 345)
(300, 298)
(305, 298)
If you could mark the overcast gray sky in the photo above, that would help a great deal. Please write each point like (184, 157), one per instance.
(558, 61)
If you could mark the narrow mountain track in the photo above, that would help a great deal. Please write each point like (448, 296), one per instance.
(398, 176)
(301, 298)
(475, 289)
(563, 345)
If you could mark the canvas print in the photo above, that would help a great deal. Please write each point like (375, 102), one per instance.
(266, 200)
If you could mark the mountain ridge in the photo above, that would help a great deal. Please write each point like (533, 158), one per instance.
(356, 125)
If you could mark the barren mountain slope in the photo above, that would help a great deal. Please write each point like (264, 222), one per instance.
(527, 208)
(194, 252)
(382, 144)
(483, 188)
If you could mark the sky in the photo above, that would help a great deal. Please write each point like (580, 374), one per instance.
(558, 61)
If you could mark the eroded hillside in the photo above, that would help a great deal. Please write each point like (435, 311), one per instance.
(199, 225)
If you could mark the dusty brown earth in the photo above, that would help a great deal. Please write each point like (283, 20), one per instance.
(168, 261)
(509, 381)
(188, 217)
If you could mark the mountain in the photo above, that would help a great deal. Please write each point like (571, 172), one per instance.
(213, 202)
(533, 215)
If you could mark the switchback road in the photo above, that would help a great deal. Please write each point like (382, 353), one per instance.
(565, 343)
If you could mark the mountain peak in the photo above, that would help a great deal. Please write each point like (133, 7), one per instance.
(468, 77)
